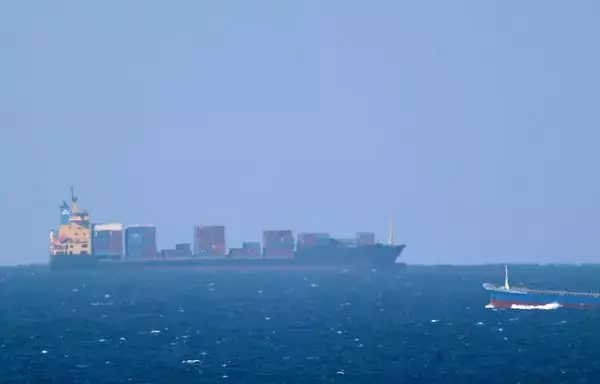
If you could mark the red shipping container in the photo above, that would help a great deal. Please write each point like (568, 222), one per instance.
(210, 240)
(107, 240)
(219, 250)
(307, 239)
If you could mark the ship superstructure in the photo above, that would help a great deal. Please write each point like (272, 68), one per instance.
(73, 235)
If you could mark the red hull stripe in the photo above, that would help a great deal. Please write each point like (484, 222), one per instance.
(508, 304)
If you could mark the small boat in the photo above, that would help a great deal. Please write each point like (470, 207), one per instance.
(505, 296)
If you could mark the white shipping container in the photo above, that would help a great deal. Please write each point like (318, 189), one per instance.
(108, 227)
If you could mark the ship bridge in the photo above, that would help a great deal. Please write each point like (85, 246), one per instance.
(73, 236)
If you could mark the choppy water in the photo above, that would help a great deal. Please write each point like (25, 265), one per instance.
(419, 325)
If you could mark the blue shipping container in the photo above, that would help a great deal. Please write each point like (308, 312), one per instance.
(140, 242)
(251, 245)
(278, 239)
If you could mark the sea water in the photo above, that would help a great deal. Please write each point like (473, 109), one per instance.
(423, 324)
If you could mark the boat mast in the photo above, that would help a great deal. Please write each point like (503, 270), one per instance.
(74, 207)
(506, 286)
(391, 234)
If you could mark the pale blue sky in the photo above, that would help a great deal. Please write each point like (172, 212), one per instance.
(473, 123)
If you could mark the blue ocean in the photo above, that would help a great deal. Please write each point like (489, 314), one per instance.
(419, 325)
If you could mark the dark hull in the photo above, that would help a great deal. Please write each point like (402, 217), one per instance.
(377, 256)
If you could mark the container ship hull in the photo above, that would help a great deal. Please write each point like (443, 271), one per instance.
(377, 256)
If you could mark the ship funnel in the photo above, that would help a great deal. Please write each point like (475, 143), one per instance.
(506, 286)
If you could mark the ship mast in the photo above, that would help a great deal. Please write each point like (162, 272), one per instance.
(506, 286)
(74, 208)
(391, 234)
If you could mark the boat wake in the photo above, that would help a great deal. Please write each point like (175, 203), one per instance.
(545, 307)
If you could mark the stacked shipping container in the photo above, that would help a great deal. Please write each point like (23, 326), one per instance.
(309, 240)
(184, 249)
(251, 249)
(365, 238)
(169, 253)
(209, 240)
(278, 244)
(181, 250)
(140, 241)
(107, 241)
(236, 253)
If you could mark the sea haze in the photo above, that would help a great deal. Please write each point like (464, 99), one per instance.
(422, 324)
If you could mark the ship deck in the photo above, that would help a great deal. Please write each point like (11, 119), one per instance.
(524, 290)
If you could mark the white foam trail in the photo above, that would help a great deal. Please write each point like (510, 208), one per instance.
(545, 307)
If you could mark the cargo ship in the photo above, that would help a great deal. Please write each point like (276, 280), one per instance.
(79, 245)
(505, 296)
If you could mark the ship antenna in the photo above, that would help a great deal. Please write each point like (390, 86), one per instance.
(73, 197)
(391, 234)
(74, 207)
(506, 286)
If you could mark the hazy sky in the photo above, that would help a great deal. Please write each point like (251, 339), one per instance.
(474, 123)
